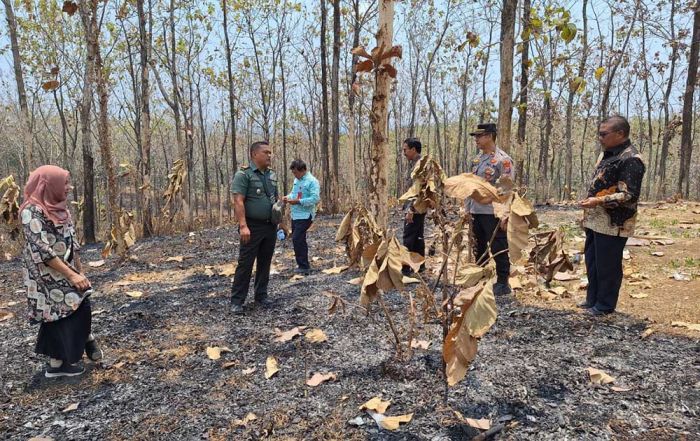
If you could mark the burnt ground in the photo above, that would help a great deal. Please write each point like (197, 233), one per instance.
(156, 381)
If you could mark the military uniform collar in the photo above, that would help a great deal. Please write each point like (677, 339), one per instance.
(254, 168)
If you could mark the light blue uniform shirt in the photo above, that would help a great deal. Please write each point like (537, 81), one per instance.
(310, 196)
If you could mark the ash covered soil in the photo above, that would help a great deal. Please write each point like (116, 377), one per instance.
(157, 382)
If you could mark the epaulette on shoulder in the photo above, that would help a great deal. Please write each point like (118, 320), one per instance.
(244, 167)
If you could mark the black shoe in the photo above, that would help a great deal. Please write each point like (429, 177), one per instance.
(93, 351)
(263, 302)
(501, 289)
(584, 305)
(237, 309)
(597, 312)
(64, 370)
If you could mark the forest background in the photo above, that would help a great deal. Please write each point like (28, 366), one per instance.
(152, 104)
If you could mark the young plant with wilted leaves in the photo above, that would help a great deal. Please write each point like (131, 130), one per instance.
(9, 205)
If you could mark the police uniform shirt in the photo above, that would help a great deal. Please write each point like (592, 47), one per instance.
(490, 166)
(259, 189)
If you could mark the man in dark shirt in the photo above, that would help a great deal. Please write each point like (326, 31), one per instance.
(255, 192)
(610, 213)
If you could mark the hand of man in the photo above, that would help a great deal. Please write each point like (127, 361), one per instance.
(590, 202)
(79, 281)
(292, 201)
(245, 234)
(409, 217)
(285, 199)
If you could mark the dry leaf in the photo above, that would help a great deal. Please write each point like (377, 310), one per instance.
(558, 290)
(356, 281)
(335, 270)
(691, 326)
(459, 348)
(626, 255)
(96, 263)
(98, 311)
(620, 389)
(208, 272)
(468, 185)
(249, 370)
(6, 315)
(250, 416)
(71, 408)
(481, 424)
(657, 253)
(296, 277)
(319, 378)
(316, 336)
(69, 7)
(271, 367)
(41, 438)
(390, 422)
(376, 404)
(288, 335)
(227, 270)
(647, 332)
(639, 296)
(214, 352)
(599, 377)
(175, 259)
(230, 364)
(420, 344)
(134, 294)
(409, 280)
(565, 277)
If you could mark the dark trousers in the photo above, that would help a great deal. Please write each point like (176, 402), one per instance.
(483, 226)
(413, 236)
(261, 246)
(301, 248)
(604, 267)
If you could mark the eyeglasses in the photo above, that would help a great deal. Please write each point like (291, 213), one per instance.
(603, 134)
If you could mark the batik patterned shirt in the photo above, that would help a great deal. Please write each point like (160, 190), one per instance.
(50, 296)
(617, 181)
(490, 166)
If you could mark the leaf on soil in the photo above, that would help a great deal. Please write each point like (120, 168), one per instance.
(214, 352)
(335, 270)
(599, 377)
(390, 422)
(230, 364)
(250, 416)
(620, 389)
(319, 378)
(565, 277)
(98, 311)
(316, 336)
(175, 259)
(6, 315)
(208, 272)
(227, 270)
(356, 281)
(296, 277)
(134, 294)
(409, 280)
(249, 371)
(691, 326)
(420, 344)
(271, 367)
(41, 438)
(558, 290)
(96, 263)
(376, 404)
(478, 315)
(635, 242)
(639, 296)
(657, 253)
(283, 336)
(71, 408)
(647, 332)
(481, 424)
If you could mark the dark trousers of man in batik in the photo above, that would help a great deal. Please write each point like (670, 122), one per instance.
(301, 248)
(603, 255)
(484, 226)
(260, 247)
(413, 237)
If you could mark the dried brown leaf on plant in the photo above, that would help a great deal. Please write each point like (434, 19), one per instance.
(478, 314)
(384, 272)
(428, 184)
(70, 7)
(469, 185)
(548, 254)
(360, 232)
(9, 203)
(122, 236)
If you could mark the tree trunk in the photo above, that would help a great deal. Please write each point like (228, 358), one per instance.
(231, 97)
(335, 110)
(325, 153)
(573, 88)
(688, 96)
(378, 193)
(667, 130)
(505, 90)
(145, 120)
(522, 106)
(28, 153)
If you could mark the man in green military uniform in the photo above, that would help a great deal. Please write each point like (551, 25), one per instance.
(255, 192)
